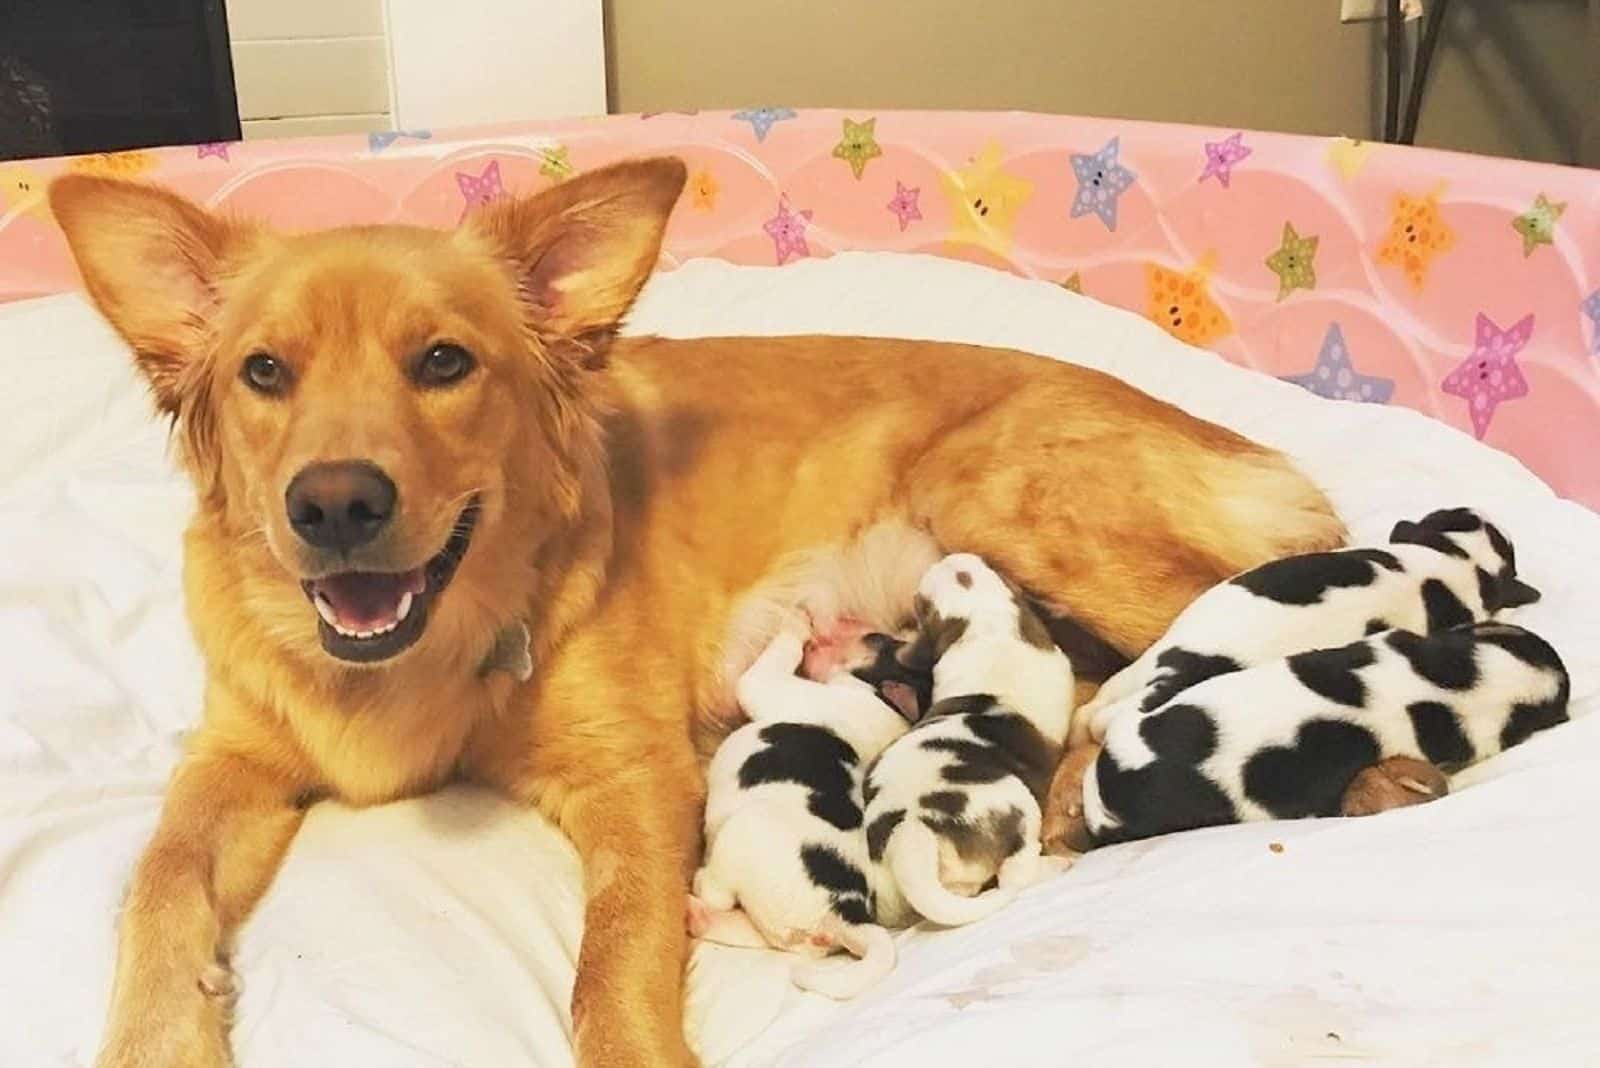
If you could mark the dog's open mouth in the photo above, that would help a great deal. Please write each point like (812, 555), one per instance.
(367, 616)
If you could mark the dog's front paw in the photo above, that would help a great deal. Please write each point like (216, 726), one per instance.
(173, 1024)
(1398, 782)
(201, 1041)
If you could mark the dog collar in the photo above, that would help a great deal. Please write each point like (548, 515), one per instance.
(511, 653)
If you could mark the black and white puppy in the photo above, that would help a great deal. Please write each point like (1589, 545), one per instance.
(1450, 569)
(786, 857)
(1284, 740)
(954, 804)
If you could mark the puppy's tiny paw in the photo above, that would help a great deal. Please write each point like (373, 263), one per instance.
(1053, 864)
(697, 917)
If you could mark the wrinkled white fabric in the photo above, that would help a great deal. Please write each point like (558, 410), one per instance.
(443, 931)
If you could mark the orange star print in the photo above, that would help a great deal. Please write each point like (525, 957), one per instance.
(1417, 233)
(1180, 303)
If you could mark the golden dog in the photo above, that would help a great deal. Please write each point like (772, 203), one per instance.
(408, 444)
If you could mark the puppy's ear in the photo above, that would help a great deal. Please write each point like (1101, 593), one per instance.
(902, 697)
(1514, 593)
(1409, 533)
(151, 261)
(582, 249)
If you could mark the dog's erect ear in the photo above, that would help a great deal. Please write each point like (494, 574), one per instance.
(151, 261)
(583, 249)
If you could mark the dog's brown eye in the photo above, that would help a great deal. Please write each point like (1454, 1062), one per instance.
(264, 374)
(443, 364)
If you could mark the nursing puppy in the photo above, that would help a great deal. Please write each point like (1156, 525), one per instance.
(1450, 569)
(1285, 740)
(955, 803)
(786, 860)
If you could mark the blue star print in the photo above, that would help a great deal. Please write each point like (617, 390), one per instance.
(378, 140)
(761, 119)
(1101, 180)
(1591, 308)
(1336, 378)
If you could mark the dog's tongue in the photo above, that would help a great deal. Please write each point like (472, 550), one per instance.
(367, 600)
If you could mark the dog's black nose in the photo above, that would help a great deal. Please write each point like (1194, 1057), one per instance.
(340, 505)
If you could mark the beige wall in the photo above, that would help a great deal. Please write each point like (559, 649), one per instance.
(1265, 64)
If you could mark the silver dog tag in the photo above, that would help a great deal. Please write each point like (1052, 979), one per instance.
(511, 653)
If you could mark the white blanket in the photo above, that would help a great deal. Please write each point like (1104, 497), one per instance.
(443, 931)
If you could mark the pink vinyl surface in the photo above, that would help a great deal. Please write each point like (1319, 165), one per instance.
(1466, 288)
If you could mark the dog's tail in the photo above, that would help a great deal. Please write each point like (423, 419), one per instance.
(912, 856)
(1253, 506)
(839, 978)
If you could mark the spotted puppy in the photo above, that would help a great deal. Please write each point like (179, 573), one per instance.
(954, 804)
(786, 860)
(1285, 740)
(1451, 568)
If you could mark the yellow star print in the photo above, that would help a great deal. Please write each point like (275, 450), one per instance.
(1348, 156)
(984, 201)
(858, 145)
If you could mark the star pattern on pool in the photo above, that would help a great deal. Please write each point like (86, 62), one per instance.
(788, 232)
(215, 149)
(1335, 376)
(703, 190)
(1417, 234)
(1221, 156)
(480, 189)
(378, 140)
(555, 163)
(1591, 308)
(1102, 179)
(1180, 302)
(905, 204)
(1295, 262)
(762, 120)
(1490, 375)
(985, 200)
(1349, 156)
(1537, 225)
(858, 146)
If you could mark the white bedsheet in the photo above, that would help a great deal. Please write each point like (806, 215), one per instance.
(443, 931)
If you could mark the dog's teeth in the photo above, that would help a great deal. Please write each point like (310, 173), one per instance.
(403, 611)
(325, 610)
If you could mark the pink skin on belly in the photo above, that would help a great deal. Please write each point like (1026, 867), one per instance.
(833, 645)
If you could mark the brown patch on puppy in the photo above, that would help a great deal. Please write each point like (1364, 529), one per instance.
(1398, 782)
(987, 841)
(964, 579)
(935, 635)
(1032, 628)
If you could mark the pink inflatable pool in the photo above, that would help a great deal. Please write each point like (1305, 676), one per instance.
(1466, 288)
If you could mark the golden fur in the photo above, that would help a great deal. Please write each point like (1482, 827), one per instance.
(637, 496)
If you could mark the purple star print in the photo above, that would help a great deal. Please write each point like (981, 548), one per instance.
(904, 204)
(1489, 374)
(761, 120)
(218, 149)
(479, 189)
(788, 232)
(1101, 180)
(1591, 308)
(1222, 155)
(1335, 375)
